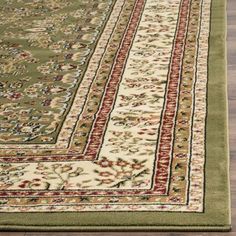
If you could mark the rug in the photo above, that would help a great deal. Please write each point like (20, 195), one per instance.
(113, 115)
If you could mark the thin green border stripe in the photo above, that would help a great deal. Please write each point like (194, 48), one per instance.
(216, 216)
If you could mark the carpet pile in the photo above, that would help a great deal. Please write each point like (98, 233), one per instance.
(113, 115)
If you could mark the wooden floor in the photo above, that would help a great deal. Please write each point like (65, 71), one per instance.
(232, 121)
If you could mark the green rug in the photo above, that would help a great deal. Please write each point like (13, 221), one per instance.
(113, 115)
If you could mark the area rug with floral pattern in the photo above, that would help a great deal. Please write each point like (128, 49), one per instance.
(113, 115)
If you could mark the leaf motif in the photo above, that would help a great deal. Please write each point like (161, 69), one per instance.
(77, 172)
(86, 181)
(52, 177)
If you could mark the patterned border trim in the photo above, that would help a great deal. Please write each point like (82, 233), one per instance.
(205, 80)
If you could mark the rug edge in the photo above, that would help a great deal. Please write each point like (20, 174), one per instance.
(225, 227)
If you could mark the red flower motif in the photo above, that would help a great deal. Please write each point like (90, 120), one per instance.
(36, 179)
(22, 185)
(105, 174)
(137, 166)
(105, 163)
(123, 174)
(121, 163)
(106, 181)
(15, 95)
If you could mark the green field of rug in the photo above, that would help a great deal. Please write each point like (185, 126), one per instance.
(113, 115)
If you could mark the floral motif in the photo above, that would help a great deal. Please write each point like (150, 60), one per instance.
(10, 174)
(59, 173)
(131, 168)
(30, 79)
(122, 172)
